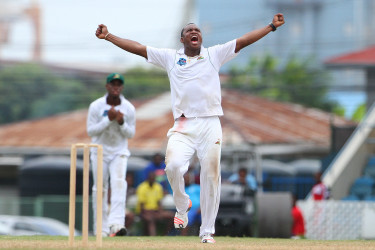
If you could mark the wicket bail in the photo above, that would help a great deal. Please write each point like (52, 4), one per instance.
(85, 194)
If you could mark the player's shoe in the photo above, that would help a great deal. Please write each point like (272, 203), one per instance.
(207, 238)
(181, 220)
(117, 230)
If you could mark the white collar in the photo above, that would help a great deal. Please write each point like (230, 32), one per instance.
(181, 51)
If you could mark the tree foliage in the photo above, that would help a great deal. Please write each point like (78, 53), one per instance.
(143, 83)
(298, 81)
(359, 113)
(30, 91)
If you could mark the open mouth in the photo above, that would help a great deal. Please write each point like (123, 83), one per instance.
(194, 39)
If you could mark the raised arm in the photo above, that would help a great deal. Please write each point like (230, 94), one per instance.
(125, 44)
(255, 35)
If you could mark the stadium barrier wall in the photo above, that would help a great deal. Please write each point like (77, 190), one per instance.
(338, 220)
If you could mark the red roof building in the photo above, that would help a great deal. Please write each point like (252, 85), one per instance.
(362, 59)
(247, 120)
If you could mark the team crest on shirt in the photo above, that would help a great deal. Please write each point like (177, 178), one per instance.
(105, 113)
(181, 61)
(200, 58)
(218, 142)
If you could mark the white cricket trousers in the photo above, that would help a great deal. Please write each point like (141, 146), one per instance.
(202, 135)
(114, 170)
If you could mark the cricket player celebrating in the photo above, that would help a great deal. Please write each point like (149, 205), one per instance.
(193, 73)
(110, 122)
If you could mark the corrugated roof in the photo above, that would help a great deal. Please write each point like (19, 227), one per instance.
(362, 58)
(246, 118)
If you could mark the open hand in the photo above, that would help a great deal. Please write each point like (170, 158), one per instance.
(101, 31)
(278, 20)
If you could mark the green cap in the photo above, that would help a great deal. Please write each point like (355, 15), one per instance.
(115, 76)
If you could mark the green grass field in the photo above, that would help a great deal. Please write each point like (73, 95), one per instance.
(178, 242)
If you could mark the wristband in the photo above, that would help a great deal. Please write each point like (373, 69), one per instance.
(105, 38)
(272, 26)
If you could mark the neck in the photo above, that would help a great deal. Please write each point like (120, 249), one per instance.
(192, 52)
(113, 100)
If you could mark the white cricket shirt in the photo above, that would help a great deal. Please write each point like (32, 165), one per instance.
(110, 134)
(194, 81)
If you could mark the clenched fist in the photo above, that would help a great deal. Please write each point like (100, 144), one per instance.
(101, 31)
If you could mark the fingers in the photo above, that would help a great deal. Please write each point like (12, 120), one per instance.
(119, 115)
(278, 19)
(112, 113)
(101, 31)
(98, 31)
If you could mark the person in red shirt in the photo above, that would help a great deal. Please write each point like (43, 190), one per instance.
(319, 190)
(298, 226)
(320, 193)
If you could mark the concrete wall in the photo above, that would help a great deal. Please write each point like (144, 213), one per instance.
(351, 160)
(353, 170)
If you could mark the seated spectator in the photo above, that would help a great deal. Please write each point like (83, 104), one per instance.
(157, 165)
(149, 194)
(298, 226)
(244, 179)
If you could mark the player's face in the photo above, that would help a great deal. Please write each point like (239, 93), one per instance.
(192, 37)
(114, 88)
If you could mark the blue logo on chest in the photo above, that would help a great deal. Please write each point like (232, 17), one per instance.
(181, 61)
(105, 113)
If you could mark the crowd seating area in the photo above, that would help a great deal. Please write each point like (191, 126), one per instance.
(363, 188)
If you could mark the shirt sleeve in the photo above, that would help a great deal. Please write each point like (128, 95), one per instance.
(222, 53)
(96, 123)
(251, 182)
(128, 127)
(163, 58)
(233, 177)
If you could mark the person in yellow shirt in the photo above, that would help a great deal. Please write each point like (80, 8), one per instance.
(149, 195)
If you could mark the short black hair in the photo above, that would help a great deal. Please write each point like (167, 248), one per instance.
(182, 31)
(242, 169)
